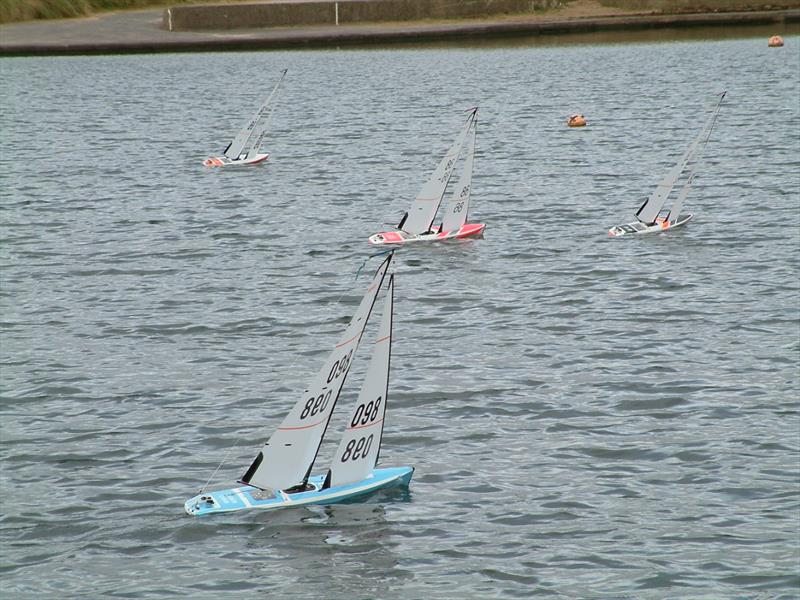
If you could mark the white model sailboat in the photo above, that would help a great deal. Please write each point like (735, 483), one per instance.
(279, 477)
(652, 216)
(245, 149)
(417, 224)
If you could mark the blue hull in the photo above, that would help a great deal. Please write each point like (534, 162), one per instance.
(247, 497)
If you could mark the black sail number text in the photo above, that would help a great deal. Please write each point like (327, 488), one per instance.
(356, 449)
(340, 366)
(317, 405)
(366, 412)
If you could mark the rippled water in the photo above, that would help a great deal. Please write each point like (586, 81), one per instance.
(588, 417)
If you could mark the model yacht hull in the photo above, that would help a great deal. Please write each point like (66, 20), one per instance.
(224, 161)
(468, 230)
(638, 227)
(248, 497)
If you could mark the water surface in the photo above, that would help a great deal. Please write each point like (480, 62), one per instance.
(588, 417)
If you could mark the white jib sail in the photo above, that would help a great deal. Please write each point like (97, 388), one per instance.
(650, 209)
(456, 208)
(239, 143)
(286, 459)
(423, 209)
(358, 451)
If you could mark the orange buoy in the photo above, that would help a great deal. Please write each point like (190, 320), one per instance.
(577, 121)
(775, 41)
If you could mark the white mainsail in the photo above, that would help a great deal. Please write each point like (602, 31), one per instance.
(456, 208)
(360, 445)
(286, 458)
(419, 217)
(251, 128)
(652, 207)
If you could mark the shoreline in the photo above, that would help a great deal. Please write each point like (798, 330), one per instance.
(140, 32)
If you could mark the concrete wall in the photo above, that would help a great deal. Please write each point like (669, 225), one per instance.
(278, 14)
(673, 6)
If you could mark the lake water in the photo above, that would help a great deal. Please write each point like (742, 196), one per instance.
(588, 417)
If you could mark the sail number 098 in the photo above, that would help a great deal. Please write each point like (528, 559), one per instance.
(340, 366)
(356, 449)
(365, 414)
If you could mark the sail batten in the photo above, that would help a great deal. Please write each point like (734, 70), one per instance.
(286, 459)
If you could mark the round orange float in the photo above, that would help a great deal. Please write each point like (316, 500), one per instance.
(577, 121)
(775, 41)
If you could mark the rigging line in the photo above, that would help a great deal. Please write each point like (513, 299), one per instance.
(364, 264)
(715, 115)
(224, 459)
(699, 155)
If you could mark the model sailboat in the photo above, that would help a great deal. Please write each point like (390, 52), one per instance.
(279, 477)
(417, 224)
(245, 149)
(652, 216)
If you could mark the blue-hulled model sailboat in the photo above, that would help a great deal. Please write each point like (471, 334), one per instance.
(279, 477)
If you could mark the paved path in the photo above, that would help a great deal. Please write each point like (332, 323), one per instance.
(140, 31)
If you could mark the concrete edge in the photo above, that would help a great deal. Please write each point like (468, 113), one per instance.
(391, 33)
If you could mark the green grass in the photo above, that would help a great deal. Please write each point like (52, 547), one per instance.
(26, 10)
(23, 10)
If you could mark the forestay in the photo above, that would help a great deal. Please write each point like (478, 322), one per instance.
(240, 142)
(358, 451)
(419, 217)
(652, 207)
(286, 459)
(456, 208)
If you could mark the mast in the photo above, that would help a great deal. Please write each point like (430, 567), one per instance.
(359, 448)
(260, 131)
(652, 207)
(388, 366)
(285, 460)
(423, 209)
(235, 148)
(456, 208)
(674, 212)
